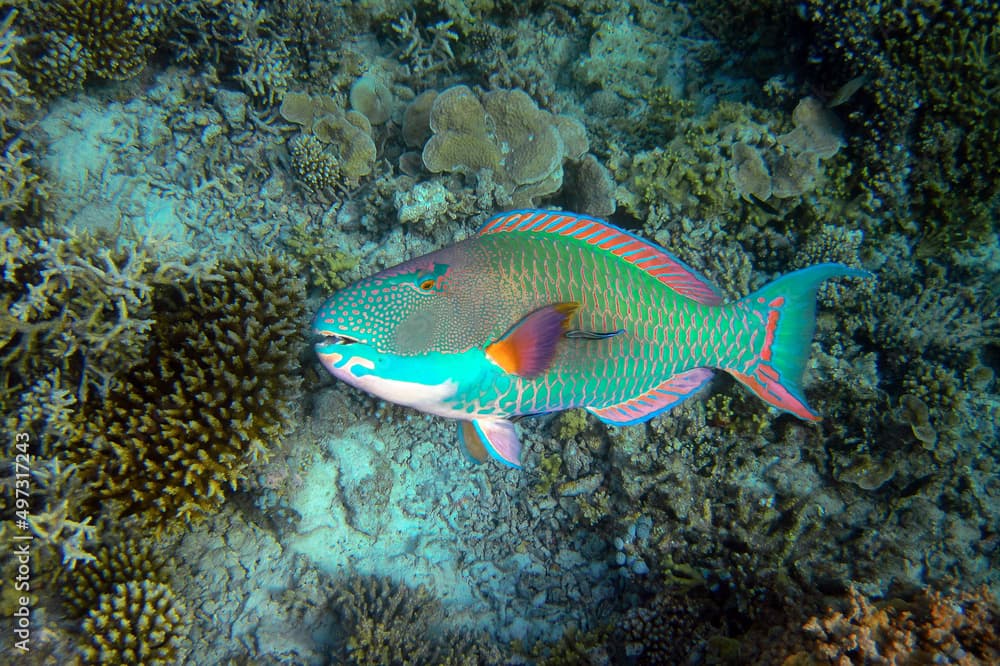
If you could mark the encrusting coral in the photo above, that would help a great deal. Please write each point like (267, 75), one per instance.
(335, 147)
(213, 391)
(68, 40)
(504, 133)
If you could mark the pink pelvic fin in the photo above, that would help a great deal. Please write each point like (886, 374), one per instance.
(500, 440)
(660, 398)
(650, 257)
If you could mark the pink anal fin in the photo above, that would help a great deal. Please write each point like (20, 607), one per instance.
(473, 446)
(528, 348)
(766, 383)
(499, 439)
(658, 399)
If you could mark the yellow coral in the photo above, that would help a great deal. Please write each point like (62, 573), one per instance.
(68, 40)
(335, 147)
(461, 139)
(211, 396)
(138, 622)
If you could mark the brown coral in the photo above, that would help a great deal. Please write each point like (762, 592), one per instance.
(69, 40)
(960, 629)
(335, 147)
(389, 624)
(73, 310)
(127, 560)
(504, 133)
(139, 622)
(212, 393)
(461, 137)
(372, 98)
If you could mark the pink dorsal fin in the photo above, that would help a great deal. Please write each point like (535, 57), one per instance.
(648, 256)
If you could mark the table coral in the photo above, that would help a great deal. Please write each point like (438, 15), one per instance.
(213, 392)
(69, 40)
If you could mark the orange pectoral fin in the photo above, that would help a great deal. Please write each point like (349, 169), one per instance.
(528, 348)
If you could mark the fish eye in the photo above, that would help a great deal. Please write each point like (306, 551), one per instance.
(427, 284)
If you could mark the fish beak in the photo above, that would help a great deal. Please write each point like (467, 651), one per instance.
(330, 340)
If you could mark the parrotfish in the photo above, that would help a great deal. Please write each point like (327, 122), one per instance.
(543, 311)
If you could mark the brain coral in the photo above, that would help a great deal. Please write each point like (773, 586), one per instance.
(213, 390)
(505, 133)
(68, 40)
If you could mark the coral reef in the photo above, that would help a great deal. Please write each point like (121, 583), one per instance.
(127, 611)
(389, 623)
(506, 134)
(127, 560)
(154, 386)
(66, 41)
(76, 315)
(927, 111)
(139, 622)
(22, 189)
(214, 390)
(335, 148)
(322, 260)
(960, 629)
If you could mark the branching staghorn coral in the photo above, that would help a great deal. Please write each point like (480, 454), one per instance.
(69, 40)
(213, 391)
(390, 624)
(21, 189)
(75, 315)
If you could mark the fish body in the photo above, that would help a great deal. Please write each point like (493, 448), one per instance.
(543, 311)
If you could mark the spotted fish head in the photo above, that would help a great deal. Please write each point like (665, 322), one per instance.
(400, 334)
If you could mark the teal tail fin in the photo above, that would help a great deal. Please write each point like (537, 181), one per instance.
(787, 307)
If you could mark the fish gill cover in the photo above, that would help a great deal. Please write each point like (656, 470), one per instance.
(182, 183)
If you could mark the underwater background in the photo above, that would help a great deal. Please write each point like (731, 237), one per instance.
(184, 183)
